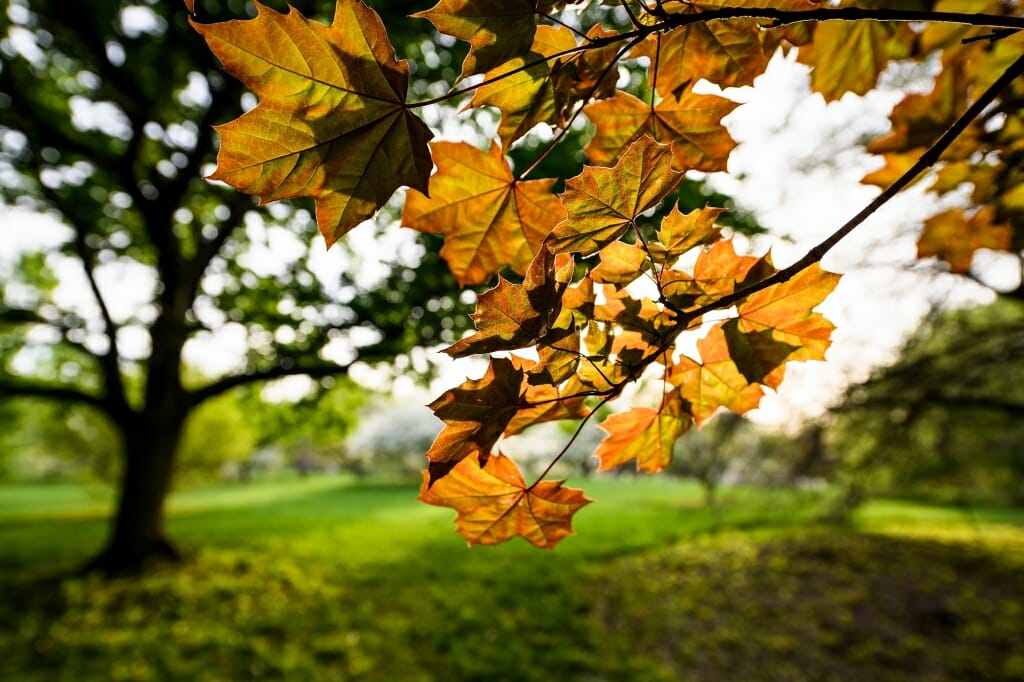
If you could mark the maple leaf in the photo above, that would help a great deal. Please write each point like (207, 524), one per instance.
(496, 30)
(190, 5)
(848, 56)
(691, 123)
(495, 505)
(644, 434)
(680, 232)
(715, 381)
(547, 402)
(522, 88)
(602, 203)
(475, 414)
(718, 272)
(332, 121)
(511, 316)
(952, 236)
(726, 53)
(490, 219)
(777, 324)
(620, 264)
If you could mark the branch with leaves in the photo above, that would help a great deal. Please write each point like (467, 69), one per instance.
(595, 290)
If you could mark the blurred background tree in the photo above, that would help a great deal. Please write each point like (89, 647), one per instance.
(945, 421)
(107, 128)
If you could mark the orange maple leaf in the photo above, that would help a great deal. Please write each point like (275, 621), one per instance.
(522, 88)
(475, 414)
(715, 381)
(511, 316)
(680, 232)
(691, 123)
(621, 263)
(718, 272)
(727, 53)
(644, 434)
(496, 31)
(602, 203)
(490, 219)
(783, 314)
(332, 121)
(494, 505)
(952, 236)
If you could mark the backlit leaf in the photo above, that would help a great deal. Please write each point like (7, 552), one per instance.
(726, 53)
(846, 56)
(494, 504)
(621, 263)
(692, 124)
(475, 414)
(644, 434)
(680, 232)
(511, 316)
(715, 381)
(718, 272)
(331, 123)
(489, 219)
(785, 310)
(526, 96)
(496, 30)
(603, 202)
(952, 236)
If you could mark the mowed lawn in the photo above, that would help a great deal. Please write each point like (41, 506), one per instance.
(328, 579)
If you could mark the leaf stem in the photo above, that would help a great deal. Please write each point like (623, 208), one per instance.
(575, 435)
(568, 125)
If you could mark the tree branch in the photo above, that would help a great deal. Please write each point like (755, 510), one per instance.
(928, 159)
(22, 316)
(58, 393)
(110, 362)
(197, 396)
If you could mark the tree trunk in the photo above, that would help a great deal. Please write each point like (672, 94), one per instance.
(137, 537)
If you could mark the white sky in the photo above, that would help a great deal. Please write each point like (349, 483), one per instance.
(797, 168)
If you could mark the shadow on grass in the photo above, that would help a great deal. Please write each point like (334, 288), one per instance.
(362, 583)
(795, 606)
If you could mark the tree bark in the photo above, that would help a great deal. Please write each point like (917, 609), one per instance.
(137, 536)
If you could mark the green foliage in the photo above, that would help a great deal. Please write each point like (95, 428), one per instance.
(321, 579)
(42, 440)
(944, 421)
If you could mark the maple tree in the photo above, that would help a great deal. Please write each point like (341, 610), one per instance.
(594, 290)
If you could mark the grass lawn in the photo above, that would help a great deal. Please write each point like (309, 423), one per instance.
(328, 579)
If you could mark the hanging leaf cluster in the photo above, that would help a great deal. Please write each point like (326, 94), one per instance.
(596, 286)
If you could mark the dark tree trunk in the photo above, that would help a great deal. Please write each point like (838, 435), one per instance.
(137, 535)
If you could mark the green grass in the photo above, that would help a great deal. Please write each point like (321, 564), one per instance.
(325, 578)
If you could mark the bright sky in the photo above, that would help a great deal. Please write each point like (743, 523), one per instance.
(797, 168)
